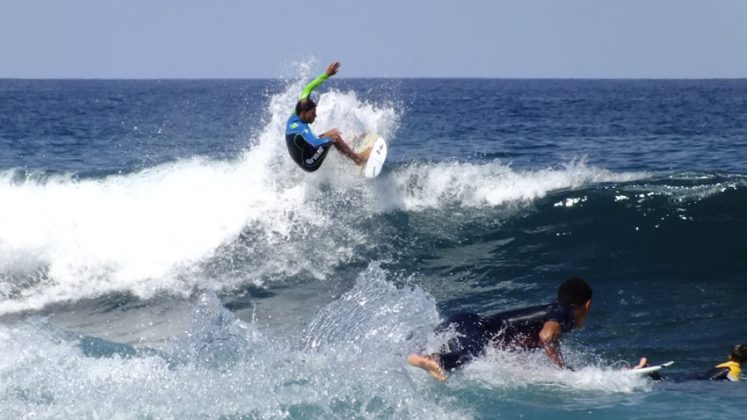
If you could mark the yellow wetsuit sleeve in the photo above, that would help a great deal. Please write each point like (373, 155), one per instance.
(734, 370)
(313, 85)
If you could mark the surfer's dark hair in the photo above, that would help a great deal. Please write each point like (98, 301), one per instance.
(738, 352)
(304, 105)
(574, 291)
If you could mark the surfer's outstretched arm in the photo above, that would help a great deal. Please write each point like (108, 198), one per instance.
(331, 71)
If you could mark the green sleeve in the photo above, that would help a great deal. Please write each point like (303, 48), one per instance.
(313, 85)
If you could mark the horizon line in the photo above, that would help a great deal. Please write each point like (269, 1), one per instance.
(169, 78)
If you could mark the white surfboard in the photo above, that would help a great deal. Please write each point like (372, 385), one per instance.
(648, 369)
(376, 159)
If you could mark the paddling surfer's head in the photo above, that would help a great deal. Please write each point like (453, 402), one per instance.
(738, 353)
(306, 110)
(577, 293)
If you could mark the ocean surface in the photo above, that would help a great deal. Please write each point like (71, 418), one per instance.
(162, 257)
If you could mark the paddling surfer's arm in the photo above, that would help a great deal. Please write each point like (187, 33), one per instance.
(550, 339)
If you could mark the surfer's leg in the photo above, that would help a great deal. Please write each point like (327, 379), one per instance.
(466, 344)
(642, 363)
(365, 153)
(429, 363)
(315, 162)
(343, 148)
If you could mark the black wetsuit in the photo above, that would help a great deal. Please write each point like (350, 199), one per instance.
(518, 328)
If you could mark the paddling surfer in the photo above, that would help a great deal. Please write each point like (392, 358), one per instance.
(533, 327)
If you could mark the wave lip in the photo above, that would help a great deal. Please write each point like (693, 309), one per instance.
(436, 185)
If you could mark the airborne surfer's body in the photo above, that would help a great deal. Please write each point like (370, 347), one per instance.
(306, 149)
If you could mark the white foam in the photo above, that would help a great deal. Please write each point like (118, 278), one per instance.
(436, 185)
(124, 232)
(519, 370)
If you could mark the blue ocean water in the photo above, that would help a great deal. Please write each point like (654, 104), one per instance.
(162, 257)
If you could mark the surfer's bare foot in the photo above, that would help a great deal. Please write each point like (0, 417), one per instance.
(428, 364)
(642, 363)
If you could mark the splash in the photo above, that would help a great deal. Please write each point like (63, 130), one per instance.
(226, 367)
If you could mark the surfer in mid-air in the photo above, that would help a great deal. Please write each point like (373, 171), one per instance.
(527, 328)
(306, 149)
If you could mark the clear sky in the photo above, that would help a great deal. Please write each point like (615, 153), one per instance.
(375, 38)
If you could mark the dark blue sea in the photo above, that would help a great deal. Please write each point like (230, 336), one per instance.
(161, 256)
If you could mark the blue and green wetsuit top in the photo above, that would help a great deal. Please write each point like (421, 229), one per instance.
(306, 149)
